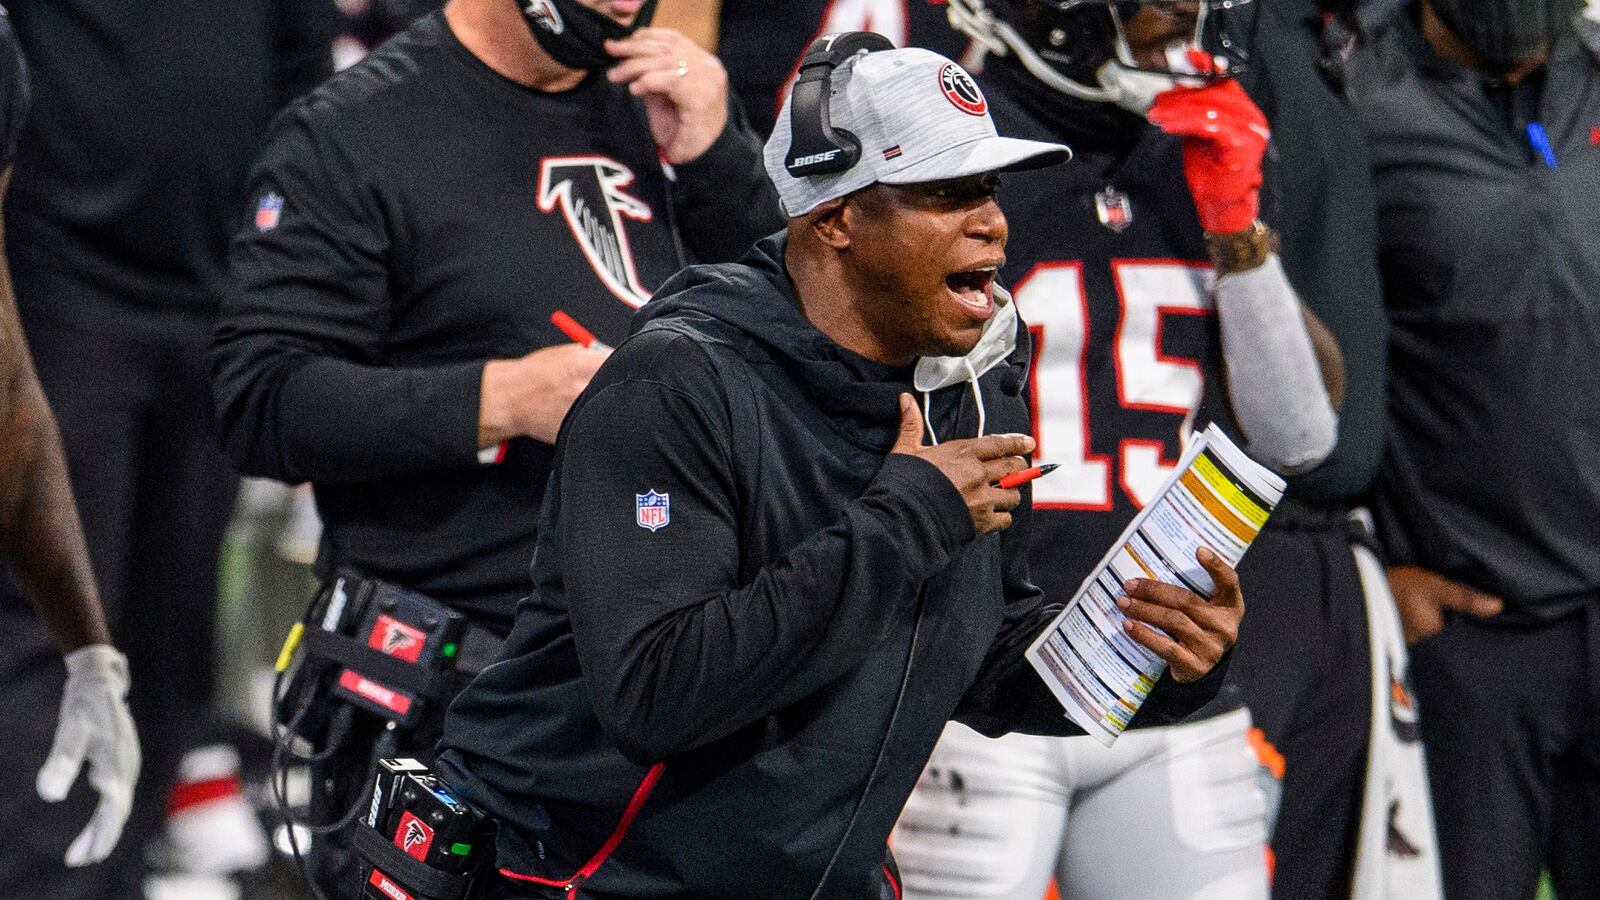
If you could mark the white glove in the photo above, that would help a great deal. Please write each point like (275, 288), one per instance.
(94, 726)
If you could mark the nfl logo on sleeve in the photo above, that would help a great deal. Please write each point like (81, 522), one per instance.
(268, 211)
(654, 510)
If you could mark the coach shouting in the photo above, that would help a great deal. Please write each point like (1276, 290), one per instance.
(768, 574)
(417, 220)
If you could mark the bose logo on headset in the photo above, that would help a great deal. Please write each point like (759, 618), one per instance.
(816, 147)
(813, 159)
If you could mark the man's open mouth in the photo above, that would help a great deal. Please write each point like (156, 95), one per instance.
(974, 288)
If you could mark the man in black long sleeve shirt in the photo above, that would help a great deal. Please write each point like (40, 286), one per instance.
(759, 594)
(388, 334)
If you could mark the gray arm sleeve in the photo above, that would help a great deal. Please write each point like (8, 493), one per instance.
(1274, 382)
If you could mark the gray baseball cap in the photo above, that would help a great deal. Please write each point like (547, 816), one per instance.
(919, 117)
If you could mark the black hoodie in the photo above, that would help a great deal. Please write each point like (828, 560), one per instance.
(736, 579)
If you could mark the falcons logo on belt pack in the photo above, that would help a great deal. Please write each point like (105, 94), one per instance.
(589, 190)
(395, 640)
(414, 837)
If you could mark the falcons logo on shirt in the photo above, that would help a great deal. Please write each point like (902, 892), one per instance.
(589, 191)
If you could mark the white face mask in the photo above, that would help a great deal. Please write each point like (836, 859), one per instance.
(999, 338)
(1135, 90)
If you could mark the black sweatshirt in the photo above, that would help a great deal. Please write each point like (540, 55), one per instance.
(737, 579)
(417, 216)
(146, 117)
(1491, 268)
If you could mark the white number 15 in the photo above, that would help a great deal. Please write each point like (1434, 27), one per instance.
(1052, 300)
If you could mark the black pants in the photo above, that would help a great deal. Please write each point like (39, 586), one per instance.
(130, 387)
(1302, 664)
(1510, 720)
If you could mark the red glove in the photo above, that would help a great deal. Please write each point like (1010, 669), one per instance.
(1224, 139)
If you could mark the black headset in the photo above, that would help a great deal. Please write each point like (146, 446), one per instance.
(815, 146)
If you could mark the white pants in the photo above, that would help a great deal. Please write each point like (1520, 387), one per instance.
(1175, 813)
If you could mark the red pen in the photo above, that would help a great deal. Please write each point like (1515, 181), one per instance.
(1018, 479)
(579, 334)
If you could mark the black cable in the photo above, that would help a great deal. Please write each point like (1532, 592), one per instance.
(278, 781)
(283, 735)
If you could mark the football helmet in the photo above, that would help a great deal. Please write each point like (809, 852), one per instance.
(1081, 47)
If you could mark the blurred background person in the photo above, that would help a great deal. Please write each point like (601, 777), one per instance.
(1356, 820)
(144, 121)
(388, 332)
(761, 43)
(47, 564)
(364, 24)
(1484, 117)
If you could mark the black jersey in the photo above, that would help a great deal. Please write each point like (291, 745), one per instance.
(1108, 265)
(416, 216)
(146, 117)
(15, 91)
(761, 43)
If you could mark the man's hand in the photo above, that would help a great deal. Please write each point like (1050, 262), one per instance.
(685, 89)
(972, 465)
(1422, 597)
(1224, 140)
(95, 726)
(531, 395)
(1198, 632)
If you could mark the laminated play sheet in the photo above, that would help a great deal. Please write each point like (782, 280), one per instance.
(1218, 498)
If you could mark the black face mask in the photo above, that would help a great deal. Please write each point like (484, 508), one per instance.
(1506, 33)
(575, 35)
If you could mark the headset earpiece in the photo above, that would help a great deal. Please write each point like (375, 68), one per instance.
(815, 146)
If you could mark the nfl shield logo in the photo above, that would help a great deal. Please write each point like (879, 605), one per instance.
(1115, 209)
(654, 510)
(268, 211)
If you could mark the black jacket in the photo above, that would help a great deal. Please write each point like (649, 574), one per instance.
(789, 643)
(1490, 260)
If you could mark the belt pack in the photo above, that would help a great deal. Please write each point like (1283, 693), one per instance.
(381, 648)
(418, 841)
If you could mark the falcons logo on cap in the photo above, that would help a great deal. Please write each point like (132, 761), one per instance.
(589, 191)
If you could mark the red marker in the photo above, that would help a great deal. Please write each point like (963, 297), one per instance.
(570, 327)
(1018, 479)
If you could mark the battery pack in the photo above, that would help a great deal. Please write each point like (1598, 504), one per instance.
(409, 628)
(422, 823)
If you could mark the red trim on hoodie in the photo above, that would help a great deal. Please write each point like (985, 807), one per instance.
(640, 795)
